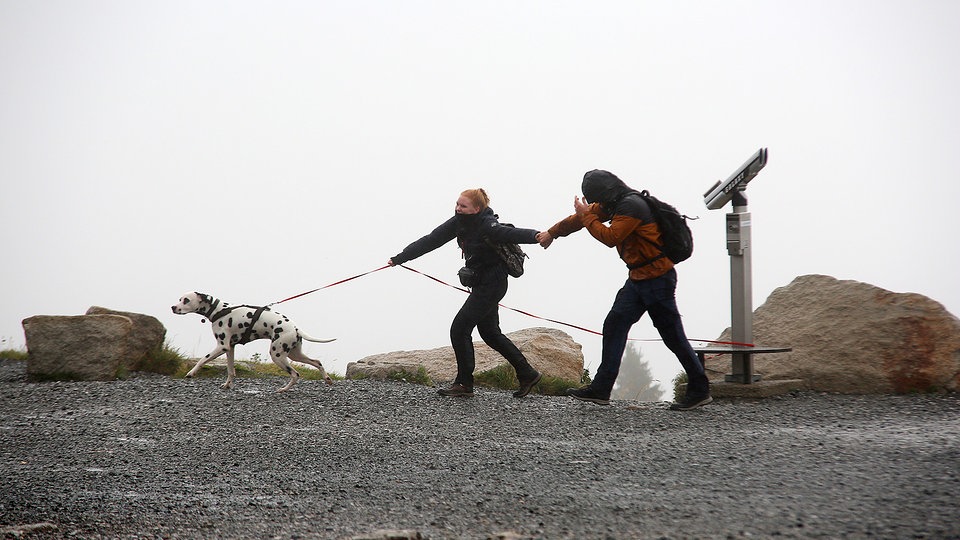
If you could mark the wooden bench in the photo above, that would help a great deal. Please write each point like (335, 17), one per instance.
(742, 361)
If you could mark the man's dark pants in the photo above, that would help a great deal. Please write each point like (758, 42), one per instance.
(657, 297)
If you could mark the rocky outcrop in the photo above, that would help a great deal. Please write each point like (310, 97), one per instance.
(101, 345)
(80, 347)
(552, 352)
(852, 337)
(146, 338)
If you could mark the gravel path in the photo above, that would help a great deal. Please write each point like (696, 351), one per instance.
(155, 457)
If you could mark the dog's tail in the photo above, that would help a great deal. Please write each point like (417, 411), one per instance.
(315, 340)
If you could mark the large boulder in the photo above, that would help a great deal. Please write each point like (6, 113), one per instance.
(80, 347)
(145, 339)
(552, 352)
(852, 337)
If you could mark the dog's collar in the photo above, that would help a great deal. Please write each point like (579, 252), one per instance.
(219, 314)
(212, 313)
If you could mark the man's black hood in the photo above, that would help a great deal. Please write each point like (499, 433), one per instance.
(603, 187)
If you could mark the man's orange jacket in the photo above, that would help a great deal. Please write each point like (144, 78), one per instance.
(636, 240)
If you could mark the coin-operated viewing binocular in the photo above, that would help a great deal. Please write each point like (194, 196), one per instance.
(721, 192)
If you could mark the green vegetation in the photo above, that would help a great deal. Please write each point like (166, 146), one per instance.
(420, 377)
(165, 360)
(679, 381)
(503, 377)
(13, 354)
(168, 360)
(254, 368)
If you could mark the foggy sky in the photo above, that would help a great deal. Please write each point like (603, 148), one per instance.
(256, 150)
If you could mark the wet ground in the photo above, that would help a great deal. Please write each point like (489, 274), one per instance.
(156, 457)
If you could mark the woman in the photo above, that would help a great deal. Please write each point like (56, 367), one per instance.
(473, 225)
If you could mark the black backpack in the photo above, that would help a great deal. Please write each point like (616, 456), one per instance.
(510, 254)
(675, 235)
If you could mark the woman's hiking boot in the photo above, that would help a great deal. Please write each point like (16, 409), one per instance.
(527, 386)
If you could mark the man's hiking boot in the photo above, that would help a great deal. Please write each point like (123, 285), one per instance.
(588, 393)
(691, 402)
(526, 387)
(457, 390)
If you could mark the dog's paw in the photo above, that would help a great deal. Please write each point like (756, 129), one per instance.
(329, 380)
(227, 385)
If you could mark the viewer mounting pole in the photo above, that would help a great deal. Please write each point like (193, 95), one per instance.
(741, 287)
(740, 251)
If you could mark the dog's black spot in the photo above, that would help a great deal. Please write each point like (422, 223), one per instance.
(286, 348)
(220, 324)
(230, 322)
(249, 315)
(221, 337)
(278, 330)
(265, 325)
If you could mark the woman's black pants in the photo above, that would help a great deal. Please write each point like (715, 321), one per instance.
(482, 311)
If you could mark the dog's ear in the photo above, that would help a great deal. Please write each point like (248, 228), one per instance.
(205, 297)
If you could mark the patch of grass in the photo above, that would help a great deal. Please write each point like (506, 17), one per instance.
(420, 377)
(13, 354)
(504, 378)
(165, 360)
(259, 370)
(555, 386)
(251, 369)
(678, 382)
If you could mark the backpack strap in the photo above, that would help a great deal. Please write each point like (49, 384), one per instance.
(643, 195)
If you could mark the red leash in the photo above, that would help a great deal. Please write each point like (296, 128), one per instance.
(461, 289)
(330, 285)
(561, 322)
(501, 305)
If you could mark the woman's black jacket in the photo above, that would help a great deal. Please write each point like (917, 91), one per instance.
(471, 232)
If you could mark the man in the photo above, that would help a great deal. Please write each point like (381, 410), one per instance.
(649, 289)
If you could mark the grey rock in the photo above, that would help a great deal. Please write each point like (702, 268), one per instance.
(852, 337)
(550, 351)
(82, 347)
(147, 336)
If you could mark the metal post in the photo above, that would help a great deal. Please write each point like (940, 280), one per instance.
(741, 287)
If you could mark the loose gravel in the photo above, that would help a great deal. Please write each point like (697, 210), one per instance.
(157, 457)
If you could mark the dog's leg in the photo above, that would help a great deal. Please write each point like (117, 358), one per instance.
(279, 357)
(297, 355)
(231, 373)
(210, 356)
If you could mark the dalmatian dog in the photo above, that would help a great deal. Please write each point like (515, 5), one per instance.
(237, 325)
